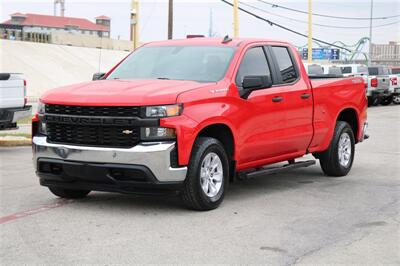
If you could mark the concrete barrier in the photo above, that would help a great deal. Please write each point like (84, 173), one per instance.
(48, 66)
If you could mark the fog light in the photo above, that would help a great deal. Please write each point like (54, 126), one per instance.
(42, 128)
(157, 133)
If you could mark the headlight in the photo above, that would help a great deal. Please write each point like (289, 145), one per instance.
(163, 110)
(41, 107)
(157, 133)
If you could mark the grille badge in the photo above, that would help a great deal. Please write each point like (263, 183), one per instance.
(127, 131)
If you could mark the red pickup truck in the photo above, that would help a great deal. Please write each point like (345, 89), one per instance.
(190, 116)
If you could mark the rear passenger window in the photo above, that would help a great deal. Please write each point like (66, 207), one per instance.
(285, 64)
(346, 70)
(254, 63)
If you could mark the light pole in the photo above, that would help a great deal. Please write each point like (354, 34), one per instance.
(170, 19)
(236, 18)
(370, 33)
(135, 23)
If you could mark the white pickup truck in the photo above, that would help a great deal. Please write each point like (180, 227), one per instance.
(12, 100)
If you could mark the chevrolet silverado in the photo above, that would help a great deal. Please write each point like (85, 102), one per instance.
(190, 116)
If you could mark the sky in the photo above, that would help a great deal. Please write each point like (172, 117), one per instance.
(193, 17)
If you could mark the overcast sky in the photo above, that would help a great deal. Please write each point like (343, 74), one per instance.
(193, 16)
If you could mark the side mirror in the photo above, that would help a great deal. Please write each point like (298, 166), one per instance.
(98, 76)
(252, 83)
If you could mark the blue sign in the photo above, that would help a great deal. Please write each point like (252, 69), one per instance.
(322, 54)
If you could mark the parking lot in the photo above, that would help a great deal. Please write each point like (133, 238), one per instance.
(295, 217)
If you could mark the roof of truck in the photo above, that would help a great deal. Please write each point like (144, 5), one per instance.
(211, 41)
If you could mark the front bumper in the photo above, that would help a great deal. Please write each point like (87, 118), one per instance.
(107, 169)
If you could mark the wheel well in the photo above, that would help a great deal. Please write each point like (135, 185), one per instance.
(350, 116)
(222, 133)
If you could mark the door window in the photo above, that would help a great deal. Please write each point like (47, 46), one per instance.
(285, 64)
(254, 63)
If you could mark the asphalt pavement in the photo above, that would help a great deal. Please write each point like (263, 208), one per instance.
(298, 217)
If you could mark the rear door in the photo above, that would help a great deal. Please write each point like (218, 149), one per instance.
(297, 96)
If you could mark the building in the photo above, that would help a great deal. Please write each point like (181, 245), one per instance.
(386, 53)
(31, 27)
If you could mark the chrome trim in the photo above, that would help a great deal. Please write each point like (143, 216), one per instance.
(154, 155)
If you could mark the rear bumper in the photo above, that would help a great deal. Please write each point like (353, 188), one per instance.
(147, 166)
(364, 134)
(12, 115)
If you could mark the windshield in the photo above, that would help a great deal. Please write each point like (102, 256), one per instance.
(196, 63)
(395, 70)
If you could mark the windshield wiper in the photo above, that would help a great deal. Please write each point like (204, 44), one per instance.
(164, 78)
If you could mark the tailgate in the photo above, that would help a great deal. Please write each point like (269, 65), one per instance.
(12, 90)
(383, 82)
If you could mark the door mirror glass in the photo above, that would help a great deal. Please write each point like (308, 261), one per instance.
(98, 76)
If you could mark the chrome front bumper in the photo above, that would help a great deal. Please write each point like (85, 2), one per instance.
(155, 156)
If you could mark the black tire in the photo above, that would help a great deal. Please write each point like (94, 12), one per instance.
(69, 193)
(329, 159)
(396, 99)
(193, 195)
(387, 100)
(373, 101)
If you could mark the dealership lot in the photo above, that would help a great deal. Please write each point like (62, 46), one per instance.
(294, 217)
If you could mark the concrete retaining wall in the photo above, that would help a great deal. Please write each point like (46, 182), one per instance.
(48, 66)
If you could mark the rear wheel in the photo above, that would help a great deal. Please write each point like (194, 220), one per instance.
(372, 101)
(338, 159)
(396, 99)
(207, 177)
(69, 193)
(387, 100)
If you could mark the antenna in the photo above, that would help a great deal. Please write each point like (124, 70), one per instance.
(227, 39)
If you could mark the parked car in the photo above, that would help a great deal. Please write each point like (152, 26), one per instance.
(190, 116)
(13, 100)
(354, 70)
(395, 84)
(378, 86)
(322, 69)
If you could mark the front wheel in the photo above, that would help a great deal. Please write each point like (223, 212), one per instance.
(338, 159)
(207, 177)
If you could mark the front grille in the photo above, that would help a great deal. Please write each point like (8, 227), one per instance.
(104, 136)
(119, 136)
(115, 111)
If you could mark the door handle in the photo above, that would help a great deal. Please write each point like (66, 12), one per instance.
(277, 99)
(305, 96)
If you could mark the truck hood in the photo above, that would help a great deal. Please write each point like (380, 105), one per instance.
(120, 92)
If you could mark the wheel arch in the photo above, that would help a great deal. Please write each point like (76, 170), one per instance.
(221, 132)
(350, 116)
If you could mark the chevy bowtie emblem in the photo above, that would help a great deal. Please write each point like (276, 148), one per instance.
(127, 131)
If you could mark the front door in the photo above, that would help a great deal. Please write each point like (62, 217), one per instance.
(263, 115)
